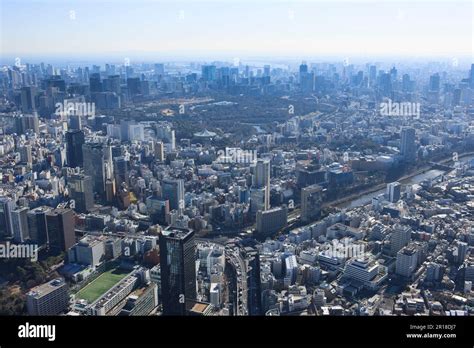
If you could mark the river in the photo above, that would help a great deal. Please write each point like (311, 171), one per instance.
(367, 198)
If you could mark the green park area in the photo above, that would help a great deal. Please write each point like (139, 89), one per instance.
(100, 285)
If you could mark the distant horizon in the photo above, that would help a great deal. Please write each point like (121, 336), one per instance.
(211, 57)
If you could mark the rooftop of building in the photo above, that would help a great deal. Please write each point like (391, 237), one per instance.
(46, 288)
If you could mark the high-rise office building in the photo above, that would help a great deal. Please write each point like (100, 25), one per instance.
(393, 74)
(262, 179)
(112, 84)
(136, 132)
(28, 95)
(96, 159)
(55, 81)
(372, 75)
(6, 207)
(158, 209)
(159, 151)
(167, 135)
(134, 86)
(51, 298)
(121, 171)
(60, 224)
(406, 83)
(20, 225)
(258, 199)
(311, 200)
(471, 77)
(435, 82)
(271, 221)
(95, 83)
(401, 236)
(223, 75)
(254, 287)
(434, 272)
(457, 93)
(309, 175)
(291, 269)
(178, 269)
(25, 154)
(125, 129)
(303, 68)
(307, 82)
(266, 70)
(209, 72)
(407, 144)
(173, 191)
(27, 122)
(407, 261)
(74, 142)
(462, 249)
(131, 131)
(386, 84)
(159, 69)
(81, 191)
(75, 122)
(393, 191)
(262, 173)
(37, 225)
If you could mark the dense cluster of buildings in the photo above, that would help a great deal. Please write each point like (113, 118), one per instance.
(184, 225)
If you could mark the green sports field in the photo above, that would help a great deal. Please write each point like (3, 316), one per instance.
(100, 285)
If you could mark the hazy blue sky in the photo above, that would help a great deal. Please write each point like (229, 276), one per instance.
(236, 27)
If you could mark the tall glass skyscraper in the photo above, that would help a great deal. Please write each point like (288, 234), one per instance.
(6, 207)
(178, 269)
(74, 142)
(262, 179)
(173, 190)
(407, 145)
